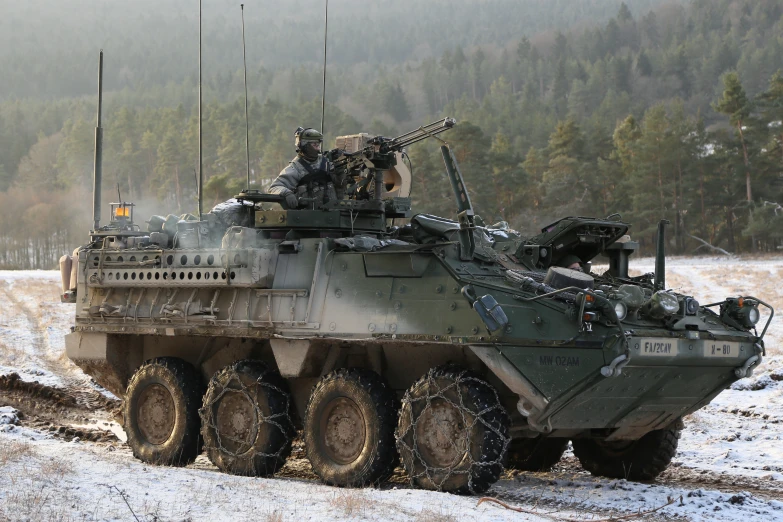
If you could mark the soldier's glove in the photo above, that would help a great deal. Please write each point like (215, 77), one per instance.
(291, 201)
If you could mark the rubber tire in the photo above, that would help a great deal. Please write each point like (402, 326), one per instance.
(274, 438)
(185, 385)
(378, 405)
(491, 433)
(538, 454)
(642, 460)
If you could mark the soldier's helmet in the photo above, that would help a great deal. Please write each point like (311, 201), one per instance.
(308, 141)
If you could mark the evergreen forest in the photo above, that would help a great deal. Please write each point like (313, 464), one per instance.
(653, 109)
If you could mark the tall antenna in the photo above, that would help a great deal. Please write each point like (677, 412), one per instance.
(247, 124)
(200, 157)
(96, 175)
(323, 95)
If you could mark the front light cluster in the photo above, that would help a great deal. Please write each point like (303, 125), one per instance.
(621, 309)
(661, 304)
(741, 310)
(689, 306)
(626, 299)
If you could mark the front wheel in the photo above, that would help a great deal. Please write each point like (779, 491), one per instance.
(642, 459)
(452, 433)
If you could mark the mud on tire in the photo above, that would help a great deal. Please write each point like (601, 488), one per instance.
(349, 428)
(538, 454)
(642, 459)
(246, 420)
(452, 433)
(161, 412)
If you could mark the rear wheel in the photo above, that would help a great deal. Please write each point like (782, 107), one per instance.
(349, 428)
(642, 459)
(161, 412)
(452, 433)
(246, 420)
(538, 454)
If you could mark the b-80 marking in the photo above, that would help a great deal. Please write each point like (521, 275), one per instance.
(722, 349)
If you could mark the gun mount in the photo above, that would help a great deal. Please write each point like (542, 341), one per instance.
(365, 167)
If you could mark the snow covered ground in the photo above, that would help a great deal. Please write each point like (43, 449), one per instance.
(729, 466)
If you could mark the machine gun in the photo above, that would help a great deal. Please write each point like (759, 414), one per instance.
(359, 163)
(373, 155)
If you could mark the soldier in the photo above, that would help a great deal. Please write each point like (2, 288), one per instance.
(571, 261)
(308, 175)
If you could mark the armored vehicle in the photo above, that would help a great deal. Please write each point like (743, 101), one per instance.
(454, 347)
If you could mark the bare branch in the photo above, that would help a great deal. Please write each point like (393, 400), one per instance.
(123, 496)
(705, 244)
(507, 506)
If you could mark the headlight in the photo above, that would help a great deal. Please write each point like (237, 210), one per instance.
(744, 311)
(690, 306)
(660, 305)
(620, 309)
(631, 295)
(747, 313)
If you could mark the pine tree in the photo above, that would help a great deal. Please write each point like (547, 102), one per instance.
(506, 176)
(652, 173)
(624, 15)
(767, 216)
(523, 50)
(75, 156)
(535, 166)
(564, 186)
(560, 88)
(167, 171)
(678, 66)
(643, 65)
(734, 103)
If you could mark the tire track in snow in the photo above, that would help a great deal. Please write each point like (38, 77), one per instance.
(28, 337)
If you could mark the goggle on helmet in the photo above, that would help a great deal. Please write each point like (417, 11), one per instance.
(303, 136)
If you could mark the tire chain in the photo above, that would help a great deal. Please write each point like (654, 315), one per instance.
(282, 421)
(463, 377)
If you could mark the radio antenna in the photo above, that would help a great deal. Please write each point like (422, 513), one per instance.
(247, 123)
(98, 161)
(200, 155)
(323, 93)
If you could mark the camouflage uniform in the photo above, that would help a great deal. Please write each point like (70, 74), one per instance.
(309, 175)
(290, 177)
(316, 182)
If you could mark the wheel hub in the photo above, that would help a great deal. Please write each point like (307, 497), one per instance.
(236, 421)
(342, 426)
(156, 414)
(441, 434)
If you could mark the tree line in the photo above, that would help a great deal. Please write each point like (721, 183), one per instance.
(673, 114)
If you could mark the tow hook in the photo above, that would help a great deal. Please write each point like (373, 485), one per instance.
(615, 367)
(746, 370)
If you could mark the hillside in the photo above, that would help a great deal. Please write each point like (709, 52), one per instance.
(648, 109)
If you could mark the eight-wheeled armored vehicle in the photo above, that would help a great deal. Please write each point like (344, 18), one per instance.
(454, 347)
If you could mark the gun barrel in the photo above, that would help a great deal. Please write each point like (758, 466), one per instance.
(387, 145)
(422, 133)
